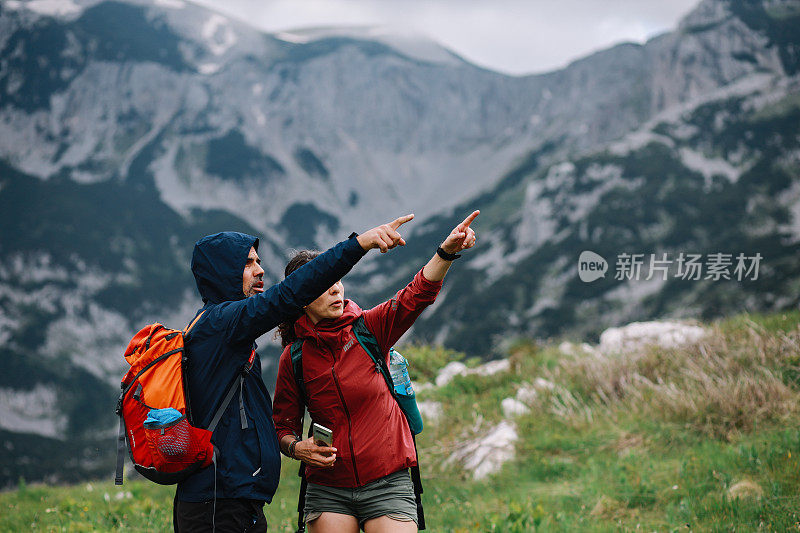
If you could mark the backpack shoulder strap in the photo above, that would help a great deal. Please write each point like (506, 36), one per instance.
(370, 344)
(185, 364)
(238, 383)
(297, 368)
(193, 322)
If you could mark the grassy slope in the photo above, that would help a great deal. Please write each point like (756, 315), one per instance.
(601, 452)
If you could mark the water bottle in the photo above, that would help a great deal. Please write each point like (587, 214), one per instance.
(398, 368)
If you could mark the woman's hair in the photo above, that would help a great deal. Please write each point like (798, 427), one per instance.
(286, 329)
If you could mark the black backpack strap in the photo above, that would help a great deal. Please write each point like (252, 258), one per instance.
(416, 479)
(237, 383)
(120, 451)
(301, 500)
(297, 369)
(370, 344)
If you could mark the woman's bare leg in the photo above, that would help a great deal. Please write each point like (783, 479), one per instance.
(334, 523)
(384, 524)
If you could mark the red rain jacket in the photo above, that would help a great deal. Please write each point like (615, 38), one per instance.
(345, 392)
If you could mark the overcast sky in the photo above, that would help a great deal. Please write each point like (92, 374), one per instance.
(511, 36)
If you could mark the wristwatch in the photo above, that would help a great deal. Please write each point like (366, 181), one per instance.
(444, 255)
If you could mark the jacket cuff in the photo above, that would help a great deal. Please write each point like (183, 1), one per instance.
(352, 250)
(283, 432)
(426, 285)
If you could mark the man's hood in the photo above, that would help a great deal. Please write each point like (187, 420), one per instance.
(218, 265)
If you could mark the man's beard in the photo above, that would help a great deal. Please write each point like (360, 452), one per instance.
(251, 290)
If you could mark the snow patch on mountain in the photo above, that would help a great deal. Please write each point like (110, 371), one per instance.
(408, 43)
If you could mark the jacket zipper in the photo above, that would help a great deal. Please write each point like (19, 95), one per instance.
(349, 426)
(346, 412)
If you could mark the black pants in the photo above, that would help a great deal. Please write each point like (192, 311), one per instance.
(232, 516)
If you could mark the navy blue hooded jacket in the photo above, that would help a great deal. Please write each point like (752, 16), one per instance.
(218, 347)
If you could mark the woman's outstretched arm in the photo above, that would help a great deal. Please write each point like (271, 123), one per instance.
(389, 320)
(461, 238)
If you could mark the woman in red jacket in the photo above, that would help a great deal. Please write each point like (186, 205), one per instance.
(363, 479)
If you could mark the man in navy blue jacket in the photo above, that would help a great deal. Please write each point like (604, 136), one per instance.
(230, 495)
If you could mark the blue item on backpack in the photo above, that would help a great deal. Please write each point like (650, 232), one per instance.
(157, 418)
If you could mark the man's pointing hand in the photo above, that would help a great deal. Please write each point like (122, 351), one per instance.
(384, 236)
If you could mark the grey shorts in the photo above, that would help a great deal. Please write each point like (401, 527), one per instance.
(391, 496)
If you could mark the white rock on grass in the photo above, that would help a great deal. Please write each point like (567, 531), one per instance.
(526, 393)
(541, 383)
(419, 387)
(513, 407)
(637, 335)
(450, 370)
(457, 368)
(571, 349)
(486, 455)
(431, 411)
(492, 367)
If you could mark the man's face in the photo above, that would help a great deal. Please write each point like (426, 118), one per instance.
(253, 277)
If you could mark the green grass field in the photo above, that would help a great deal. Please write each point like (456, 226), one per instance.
(704, 438)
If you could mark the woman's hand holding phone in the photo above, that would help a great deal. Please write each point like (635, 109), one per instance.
(314, 455)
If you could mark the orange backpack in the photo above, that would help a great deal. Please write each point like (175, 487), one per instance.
(154, 410)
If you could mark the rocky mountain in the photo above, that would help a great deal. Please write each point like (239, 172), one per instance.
(710, 179)
(130, 129)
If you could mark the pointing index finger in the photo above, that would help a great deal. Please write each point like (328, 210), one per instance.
(467, 221)
(396, 223)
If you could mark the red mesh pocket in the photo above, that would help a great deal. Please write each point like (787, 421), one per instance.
(178, 446)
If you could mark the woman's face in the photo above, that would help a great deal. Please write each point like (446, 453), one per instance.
(329, 305)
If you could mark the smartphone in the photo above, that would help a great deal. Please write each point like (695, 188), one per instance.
(322, 435)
